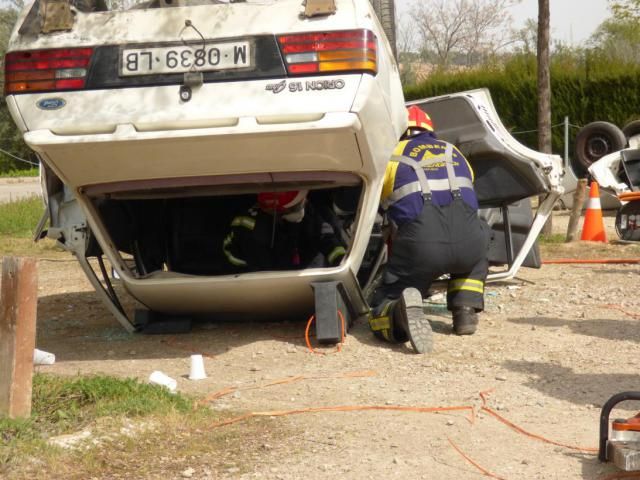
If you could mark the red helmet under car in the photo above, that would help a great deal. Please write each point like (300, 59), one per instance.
(281, 202)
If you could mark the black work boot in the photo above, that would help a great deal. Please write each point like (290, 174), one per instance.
(465, 320)
(409, 318)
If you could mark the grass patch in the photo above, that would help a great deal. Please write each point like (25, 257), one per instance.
(589, 250)
(65, 405)
(19, 218)
(552, 239)
(27, 247)
(29, 172)
(135, 430)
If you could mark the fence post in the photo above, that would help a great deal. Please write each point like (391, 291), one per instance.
(576, 209)
(18, 307)
(566, 140)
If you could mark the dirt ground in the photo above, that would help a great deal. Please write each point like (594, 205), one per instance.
(552, 347)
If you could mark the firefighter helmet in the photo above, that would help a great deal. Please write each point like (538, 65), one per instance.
(419, 120)
(282, 202)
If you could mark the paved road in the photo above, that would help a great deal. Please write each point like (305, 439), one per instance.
(20, 187)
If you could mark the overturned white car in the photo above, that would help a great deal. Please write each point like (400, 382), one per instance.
(158, 123)
(619, 172)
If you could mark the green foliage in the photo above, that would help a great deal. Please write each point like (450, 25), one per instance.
(618, 40)
(10, 138)
(29, 172)
(552, 239)
(585, 88)
(625, 9)
(64, 405)
(18, 218)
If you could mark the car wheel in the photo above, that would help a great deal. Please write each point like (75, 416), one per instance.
(631, 129)
(597, 139)
(385, 9)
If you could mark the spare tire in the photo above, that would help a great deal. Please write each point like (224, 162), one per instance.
(597, 139)
(631, 129)
(386, 11)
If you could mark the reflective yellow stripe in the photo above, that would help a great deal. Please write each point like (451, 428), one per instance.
(378, 324)
(459, 281)
(336, 253)
(467, 284)
(235, 261)
(392, 168)
(399, 151)
(246, 222)
(389, 179)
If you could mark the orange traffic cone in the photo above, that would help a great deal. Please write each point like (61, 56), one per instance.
(593, 228)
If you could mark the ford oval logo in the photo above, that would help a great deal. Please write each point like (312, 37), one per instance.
(51, 103)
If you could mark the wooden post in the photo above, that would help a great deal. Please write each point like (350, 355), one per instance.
(576, 209)
(18, 307)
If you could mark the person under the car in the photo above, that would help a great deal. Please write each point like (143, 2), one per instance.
(428, 194)
(283, 231)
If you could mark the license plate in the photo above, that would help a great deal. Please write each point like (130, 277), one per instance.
(185, 58)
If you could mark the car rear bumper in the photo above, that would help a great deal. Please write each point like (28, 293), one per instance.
(327, 142)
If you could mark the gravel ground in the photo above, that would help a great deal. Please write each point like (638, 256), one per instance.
(552, 347)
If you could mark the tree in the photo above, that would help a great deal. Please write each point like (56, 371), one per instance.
(544, 78)
(10, 138)
(527, 37)
(628, 10)
(544, 86)
(471, 28)
(407, 45)
(618, 38)
(486, 34)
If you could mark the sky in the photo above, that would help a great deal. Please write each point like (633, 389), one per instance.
(572, 21)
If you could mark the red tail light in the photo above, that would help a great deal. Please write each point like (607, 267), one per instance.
(46, 70)
(329, 52)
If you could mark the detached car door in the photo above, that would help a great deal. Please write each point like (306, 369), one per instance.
(507, 174)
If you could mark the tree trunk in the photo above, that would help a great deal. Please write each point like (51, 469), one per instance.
(544, 87)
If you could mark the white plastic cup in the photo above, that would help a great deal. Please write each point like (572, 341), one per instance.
(197, 368)
(40, 357)
(160, 378)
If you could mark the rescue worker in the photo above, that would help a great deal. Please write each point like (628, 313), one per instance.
(281, 232)
(428, 194)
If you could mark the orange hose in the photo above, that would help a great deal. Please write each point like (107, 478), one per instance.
(620, 309)
(629, 196)
(533, 435)
(344, 408)
(468, 459)
(606, 261)
(306, 335)
(484, 394)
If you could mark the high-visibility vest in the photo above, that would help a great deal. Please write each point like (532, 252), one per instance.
(424, 168)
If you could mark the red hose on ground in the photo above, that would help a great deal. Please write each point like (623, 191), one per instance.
(308, 342)
(610, 261)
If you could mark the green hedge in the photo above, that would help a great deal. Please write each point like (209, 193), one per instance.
(582, 96)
